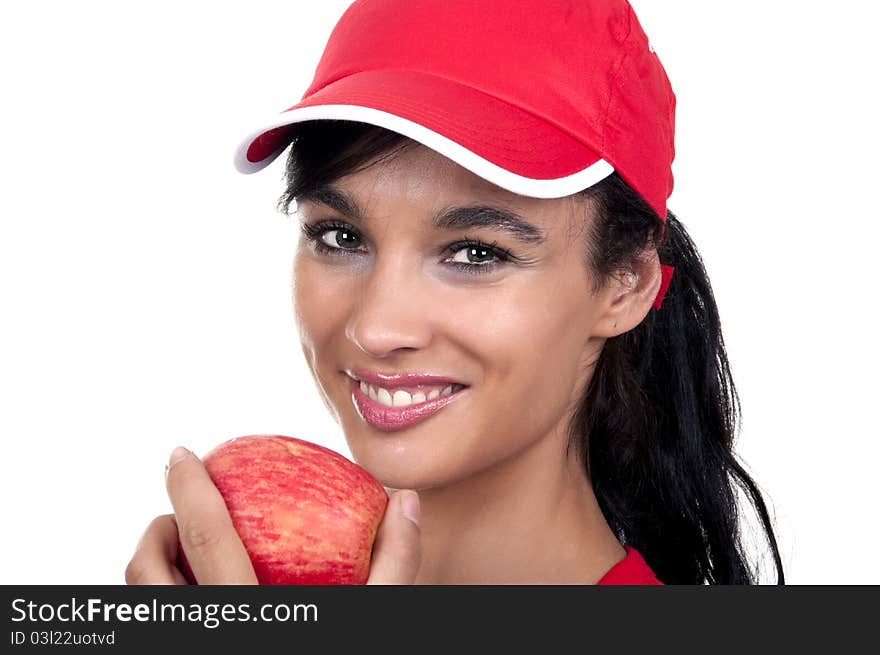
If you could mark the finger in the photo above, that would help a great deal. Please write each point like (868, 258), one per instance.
(155, 555)
(397, 551)
(212, 546)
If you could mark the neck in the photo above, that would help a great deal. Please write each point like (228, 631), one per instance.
(532, 519)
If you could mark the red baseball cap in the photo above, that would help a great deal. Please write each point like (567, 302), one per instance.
(543, 99)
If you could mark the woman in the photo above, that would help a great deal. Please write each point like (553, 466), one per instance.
(480, 298)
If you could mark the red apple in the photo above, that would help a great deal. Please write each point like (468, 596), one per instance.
(305, 514)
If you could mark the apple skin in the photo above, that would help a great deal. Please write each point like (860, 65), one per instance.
(305, 514)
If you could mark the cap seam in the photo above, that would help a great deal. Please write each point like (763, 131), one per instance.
(613, 91)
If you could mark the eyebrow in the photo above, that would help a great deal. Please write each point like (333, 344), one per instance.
(453, 218)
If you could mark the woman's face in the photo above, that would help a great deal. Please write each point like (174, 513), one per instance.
(389, 298)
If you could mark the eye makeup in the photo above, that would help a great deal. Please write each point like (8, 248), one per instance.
(316, 232)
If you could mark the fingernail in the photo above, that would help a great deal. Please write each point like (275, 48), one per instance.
(178, 454)
(409, 504)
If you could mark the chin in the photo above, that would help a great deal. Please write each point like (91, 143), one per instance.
(415, 469)
(395, 476)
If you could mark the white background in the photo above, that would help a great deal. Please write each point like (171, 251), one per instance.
(145, 286)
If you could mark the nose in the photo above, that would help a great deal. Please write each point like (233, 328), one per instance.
(392, 312)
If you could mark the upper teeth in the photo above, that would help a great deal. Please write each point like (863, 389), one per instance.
(401, 398)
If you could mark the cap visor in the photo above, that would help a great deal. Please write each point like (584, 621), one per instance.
(493, 139)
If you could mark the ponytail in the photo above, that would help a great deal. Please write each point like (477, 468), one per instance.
(656, 426)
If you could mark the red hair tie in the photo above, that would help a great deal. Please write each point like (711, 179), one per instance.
(665, 279)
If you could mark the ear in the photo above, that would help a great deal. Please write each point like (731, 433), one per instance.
(628, 296)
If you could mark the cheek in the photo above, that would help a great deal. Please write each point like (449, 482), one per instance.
(535, 350)
(319, 304)
(534, 333)
(530, 344)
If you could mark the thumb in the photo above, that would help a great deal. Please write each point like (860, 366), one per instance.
(397, 551)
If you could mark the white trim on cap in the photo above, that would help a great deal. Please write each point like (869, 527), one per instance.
(524, 186)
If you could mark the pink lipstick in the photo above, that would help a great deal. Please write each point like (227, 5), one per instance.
(391, 419)
(399, 380)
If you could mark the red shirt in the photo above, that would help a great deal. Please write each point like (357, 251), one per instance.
(631, 570)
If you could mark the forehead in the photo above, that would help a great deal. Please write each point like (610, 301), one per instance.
(420, 181)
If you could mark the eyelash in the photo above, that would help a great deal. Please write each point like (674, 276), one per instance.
(315, 231)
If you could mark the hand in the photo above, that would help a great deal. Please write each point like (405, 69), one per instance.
(201, 524)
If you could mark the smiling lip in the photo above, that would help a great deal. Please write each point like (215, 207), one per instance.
(399, 380)
(391, 419)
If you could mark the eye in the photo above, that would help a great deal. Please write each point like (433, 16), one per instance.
(471, 256)
(475, 253)
(341, 238)
(332, 237)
